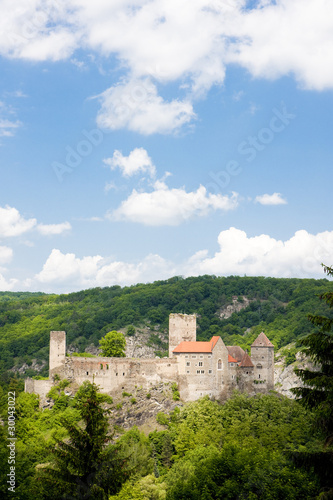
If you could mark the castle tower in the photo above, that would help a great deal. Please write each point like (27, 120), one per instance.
(262, 355)
(182, 327)
(57, 350)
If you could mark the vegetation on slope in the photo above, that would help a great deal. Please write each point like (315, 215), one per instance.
(277, 306)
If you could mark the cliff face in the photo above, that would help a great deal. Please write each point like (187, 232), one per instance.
(284, 376)
(236, 306)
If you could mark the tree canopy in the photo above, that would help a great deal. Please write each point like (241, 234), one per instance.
(113, 345)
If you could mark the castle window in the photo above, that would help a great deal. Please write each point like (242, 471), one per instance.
(198, 371)
(202, 371)
(123, 374)
(209, 356)
(219, 364)
(263, 357)
(210, 371)
(116, 374)
(259, 367)
(188, 371)
(194, 357)
(107, 367)
(188, 363)
(259, 375)
(201, 355)
(200, 363)
(231, 364)
(186, 356)
(87, 373)
(101, 366)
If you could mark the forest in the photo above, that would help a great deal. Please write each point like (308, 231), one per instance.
(279, 307)
(248, 447)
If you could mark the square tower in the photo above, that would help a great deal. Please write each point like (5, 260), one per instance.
(57, 350)
(182, 328)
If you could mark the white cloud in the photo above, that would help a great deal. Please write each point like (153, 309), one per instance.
(61, 268)
(6, 254)
(52, 229)
(162, 39)
(7, 127)
(7, 285)
(171, 207)
(12, 223)
(137, 106)
(300, 256)
(137, 161)
(271, 199)
(68, 272)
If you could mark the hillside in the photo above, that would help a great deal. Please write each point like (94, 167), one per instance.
(237, 308)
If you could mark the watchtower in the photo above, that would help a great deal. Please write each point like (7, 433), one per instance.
(262, 355)
(182, 327)
(57, 349)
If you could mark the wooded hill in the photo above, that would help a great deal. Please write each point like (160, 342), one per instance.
(279, 307)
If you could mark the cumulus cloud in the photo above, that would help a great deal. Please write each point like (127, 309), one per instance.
(137, 161)
(171, 207)
(7, 285)
(162, 39)
(262, 255)
(12, 223)
(137, 106)
(61, 267)
(270, 199)
(6, 254)
(300, 256)
(52, 229)
(70, 272)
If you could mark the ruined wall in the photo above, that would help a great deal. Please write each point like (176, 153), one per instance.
(40, 387)
(182, 327)
(117, 374)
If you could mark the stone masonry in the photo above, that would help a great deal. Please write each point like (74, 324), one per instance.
(199, 368)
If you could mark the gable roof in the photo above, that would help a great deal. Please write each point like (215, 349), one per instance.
(246, 362)
(231, 359)
(197, 346)
(236, 352)
(262, 341)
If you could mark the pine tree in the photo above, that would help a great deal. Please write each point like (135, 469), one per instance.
(317, 394)
(83, 466)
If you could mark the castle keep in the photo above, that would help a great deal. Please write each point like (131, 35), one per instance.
(199, 368)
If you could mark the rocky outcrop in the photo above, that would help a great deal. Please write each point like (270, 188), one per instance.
(226, 311)
(284, 376)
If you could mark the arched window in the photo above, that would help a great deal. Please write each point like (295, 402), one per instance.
(219, 364)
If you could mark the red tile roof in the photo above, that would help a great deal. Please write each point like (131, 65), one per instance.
(197, 346)
(262, 341)
(246, 362)
(231, 359)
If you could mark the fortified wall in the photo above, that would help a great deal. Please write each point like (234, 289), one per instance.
(199, 368)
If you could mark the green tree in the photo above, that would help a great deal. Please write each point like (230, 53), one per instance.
(113, 345)
(84, 466)
(317, 392)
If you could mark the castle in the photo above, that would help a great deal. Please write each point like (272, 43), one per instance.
(199, 368)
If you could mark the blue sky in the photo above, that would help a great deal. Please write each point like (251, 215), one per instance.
(141, 140)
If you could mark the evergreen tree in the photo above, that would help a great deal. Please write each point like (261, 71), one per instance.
(317, 394)
(84, 466)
